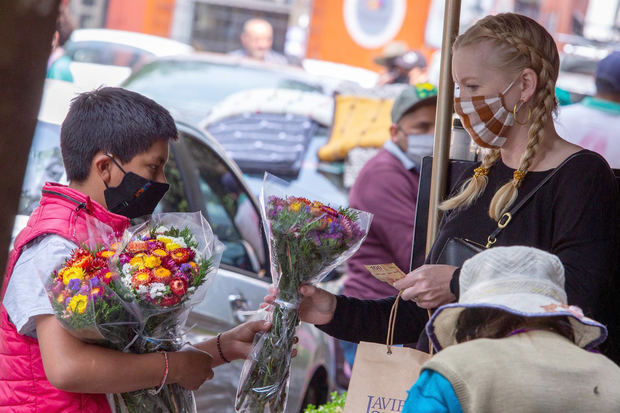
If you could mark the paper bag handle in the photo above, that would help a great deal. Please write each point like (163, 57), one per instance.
(391, 325)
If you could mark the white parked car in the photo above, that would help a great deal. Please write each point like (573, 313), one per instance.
(107, 57)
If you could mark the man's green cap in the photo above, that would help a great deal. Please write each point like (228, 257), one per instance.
(413, 96)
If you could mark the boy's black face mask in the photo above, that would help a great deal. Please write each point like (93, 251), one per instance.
(135, 196)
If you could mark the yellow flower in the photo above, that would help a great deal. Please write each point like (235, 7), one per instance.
(165, 240)
(78, 303)
(171, 246)
(159, 252)
(137, 262)
(106, 254)
(193, 264)
(152, 261)
(70, 273)
(162, 273)
(295, 206)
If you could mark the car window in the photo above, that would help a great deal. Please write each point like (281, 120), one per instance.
(106, 53)
(175, 199)
(44, 164)
(229, 210)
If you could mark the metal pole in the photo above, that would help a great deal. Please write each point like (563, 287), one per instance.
(443, 120)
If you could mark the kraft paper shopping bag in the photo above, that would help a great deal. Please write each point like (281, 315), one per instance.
(382, 374)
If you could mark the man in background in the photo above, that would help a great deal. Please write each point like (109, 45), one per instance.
(594, 123)
(257, 40)
(401, 65)
(387, 186)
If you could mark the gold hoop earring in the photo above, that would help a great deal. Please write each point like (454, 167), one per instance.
(514, 113)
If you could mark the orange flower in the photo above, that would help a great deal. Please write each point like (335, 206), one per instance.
(105, 254)
(141, 277)
(137, 246)
(162, 275)
(82, 261)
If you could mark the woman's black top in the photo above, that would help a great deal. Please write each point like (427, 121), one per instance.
(573, 216)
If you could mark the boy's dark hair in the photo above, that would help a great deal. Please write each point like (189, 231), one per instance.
(114, 120)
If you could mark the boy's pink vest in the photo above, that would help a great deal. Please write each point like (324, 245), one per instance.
(23, 384)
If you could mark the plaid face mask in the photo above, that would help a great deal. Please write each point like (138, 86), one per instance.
(485, 118)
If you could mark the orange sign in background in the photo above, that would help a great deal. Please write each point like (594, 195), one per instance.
(144, 16)
(334, 22)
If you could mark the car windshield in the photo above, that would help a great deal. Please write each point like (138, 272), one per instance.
(106, 53)
(191, 88)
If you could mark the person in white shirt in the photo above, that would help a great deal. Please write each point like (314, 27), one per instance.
(594, 123)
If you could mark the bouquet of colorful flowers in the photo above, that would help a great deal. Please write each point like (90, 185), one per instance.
(84, 299)
(134, 294)
(166, 269)
(307, 240)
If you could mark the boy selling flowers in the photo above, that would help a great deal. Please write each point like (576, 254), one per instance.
(114, 145)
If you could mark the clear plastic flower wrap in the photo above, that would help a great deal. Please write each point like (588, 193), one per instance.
(134, 294)
(167, 265)
(84, 294)
(307, 239)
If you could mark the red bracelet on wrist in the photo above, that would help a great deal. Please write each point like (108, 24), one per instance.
(163, 379)
(219, 348)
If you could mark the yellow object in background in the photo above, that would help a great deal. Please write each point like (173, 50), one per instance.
(358, 121)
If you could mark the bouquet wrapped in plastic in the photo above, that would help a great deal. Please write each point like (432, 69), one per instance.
(134, 294)
(307, 240)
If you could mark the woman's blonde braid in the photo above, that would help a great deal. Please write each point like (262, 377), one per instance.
(474, 186)
(543, 102)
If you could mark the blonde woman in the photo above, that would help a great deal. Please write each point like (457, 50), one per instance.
(505, 68)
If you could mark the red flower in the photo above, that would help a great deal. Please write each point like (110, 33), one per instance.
(181, 255)
(168, 262)
(169, 300)
(178, 286)
(329, 210)
(80, 258)
(97, 263)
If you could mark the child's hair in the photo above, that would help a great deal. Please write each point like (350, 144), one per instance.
(518, 43)
(114, 120)
(480, 322)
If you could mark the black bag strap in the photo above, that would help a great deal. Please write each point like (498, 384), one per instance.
(507, 216)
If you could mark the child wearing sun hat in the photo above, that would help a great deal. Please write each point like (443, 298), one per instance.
(513, 343)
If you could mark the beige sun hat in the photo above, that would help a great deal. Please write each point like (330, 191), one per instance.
(523, 281)
(390, 52)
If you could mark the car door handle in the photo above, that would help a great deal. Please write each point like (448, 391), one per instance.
(239, 306)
